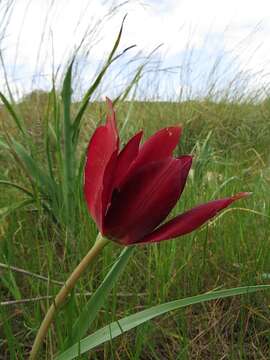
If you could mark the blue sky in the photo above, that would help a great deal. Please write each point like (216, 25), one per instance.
(197, 36)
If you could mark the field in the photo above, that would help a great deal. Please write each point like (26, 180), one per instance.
(230, 144)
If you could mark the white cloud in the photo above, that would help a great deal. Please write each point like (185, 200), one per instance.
(236, 29)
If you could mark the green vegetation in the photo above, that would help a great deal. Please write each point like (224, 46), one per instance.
(45, 228)
(230, 142)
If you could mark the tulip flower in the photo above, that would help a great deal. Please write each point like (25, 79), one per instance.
(129, 193)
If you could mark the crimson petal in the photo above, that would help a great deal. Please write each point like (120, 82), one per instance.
(125, 159)
(159, 146)
(190, 220)
(146, 199)
(101, 154)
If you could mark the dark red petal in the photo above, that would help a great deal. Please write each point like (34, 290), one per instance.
(101, 154)
(126, 157)
(159, 146)
(190, 220)
(107, 186)
(146, 199)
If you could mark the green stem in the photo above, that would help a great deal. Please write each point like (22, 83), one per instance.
(63, 293)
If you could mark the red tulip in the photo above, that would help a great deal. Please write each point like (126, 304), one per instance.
(131, 192)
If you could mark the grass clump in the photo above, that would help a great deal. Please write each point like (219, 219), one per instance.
(45, 228)
(231, 152)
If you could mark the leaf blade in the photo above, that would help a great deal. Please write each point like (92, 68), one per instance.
(98, 298)
(18, 121)
(85, 101)
(116, 328)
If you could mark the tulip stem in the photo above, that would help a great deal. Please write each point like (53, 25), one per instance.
(63, 293)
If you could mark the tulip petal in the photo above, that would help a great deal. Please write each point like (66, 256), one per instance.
(190, 220)
(101, 154)
(146, 199)
(125, 159)
(159, 146)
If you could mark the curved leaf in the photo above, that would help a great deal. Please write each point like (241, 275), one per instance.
(18, 121)
(96, 301)
(16, 206)
(117, 328)
(85, 101)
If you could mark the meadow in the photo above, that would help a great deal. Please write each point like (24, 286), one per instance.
(230, 143)
(45, 227)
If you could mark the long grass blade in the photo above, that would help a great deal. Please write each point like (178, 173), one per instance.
(111, 58)
(44, 182)
(16, 186)
(117, 328)
(4, 145)
(18, 121)
(16, 206)
(68, 158)
(92, 307)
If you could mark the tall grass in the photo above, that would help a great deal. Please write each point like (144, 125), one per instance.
(231, 251)
(45, 228)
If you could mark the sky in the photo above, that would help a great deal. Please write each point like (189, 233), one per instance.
(200, 45)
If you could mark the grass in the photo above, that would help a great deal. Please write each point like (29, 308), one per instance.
(230, 141)
(45, 228)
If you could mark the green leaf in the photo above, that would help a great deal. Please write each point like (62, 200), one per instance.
(16, 186)
(11, 338)
(18, 121)
(90, 91)
(117, 328)
(4, 211)
(68, 158)
(96, 301)
(34, 171)
(3, 144)
(50, 135)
